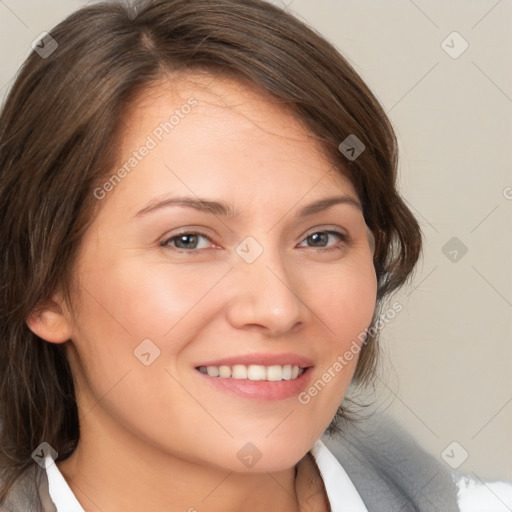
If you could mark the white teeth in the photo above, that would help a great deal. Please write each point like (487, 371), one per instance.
(224, 371)
(239, 371)
(212, 371)
(287, 372)
(275, 373)
(254, 372)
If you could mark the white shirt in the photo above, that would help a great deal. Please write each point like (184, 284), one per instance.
(342, 495)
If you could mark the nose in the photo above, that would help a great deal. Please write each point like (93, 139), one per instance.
(265, 296)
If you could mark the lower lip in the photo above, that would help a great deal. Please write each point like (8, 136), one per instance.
(262, 389)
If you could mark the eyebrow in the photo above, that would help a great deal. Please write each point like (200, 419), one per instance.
(223, 209)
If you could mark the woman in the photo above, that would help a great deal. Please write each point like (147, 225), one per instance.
(203, 224)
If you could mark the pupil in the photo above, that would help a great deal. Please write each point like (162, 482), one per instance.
(317, 235)
(183, 238)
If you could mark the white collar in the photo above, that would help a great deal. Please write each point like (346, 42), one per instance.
(60, 492)
(342, 494)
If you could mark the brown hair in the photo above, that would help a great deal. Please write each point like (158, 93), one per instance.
(59, 130)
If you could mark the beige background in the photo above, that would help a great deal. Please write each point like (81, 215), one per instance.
(447, 366)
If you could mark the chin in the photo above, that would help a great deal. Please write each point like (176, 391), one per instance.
(266, 455)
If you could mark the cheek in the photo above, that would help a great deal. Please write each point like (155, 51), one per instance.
(347, 299)
(148, 300)
(345, 305)
(122, 305)
(126, 304)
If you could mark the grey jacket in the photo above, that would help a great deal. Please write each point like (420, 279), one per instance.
(388, 468)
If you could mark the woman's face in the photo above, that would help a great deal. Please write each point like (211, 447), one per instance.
(166, 288)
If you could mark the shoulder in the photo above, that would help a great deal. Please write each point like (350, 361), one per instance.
(29, 492)
(390, 470)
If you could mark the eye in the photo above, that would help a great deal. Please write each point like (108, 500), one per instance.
(322, 237)
(186, 241)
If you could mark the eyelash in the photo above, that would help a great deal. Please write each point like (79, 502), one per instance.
(344, 238)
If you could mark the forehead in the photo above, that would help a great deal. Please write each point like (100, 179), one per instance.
(239, 107)
(218, 135)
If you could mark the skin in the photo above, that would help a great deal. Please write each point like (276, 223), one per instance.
(160, 437)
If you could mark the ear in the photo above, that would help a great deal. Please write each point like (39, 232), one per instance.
(50, 321)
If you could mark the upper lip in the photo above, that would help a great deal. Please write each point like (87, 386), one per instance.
(261, 359)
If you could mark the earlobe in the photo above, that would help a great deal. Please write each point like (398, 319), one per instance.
(50, 323)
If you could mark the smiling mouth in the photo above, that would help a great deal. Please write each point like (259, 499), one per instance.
(254, 372)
